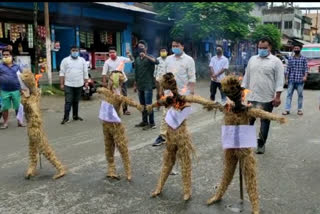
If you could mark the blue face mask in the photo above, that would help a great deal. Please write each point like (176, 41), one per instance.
(74, 54)
(263, 52)
(176, 51)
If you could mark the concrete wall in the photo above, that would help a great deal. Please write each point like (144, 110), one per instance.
(283, 16)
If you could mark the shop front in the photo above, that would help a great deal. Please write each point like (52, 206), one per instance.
(93, 27)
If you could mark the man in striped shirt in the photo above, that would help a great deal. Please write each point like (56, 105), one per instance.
(296, 74)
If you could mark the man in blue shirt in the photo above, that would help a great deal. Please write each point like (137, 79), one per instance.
(296, 74)
(9, 87)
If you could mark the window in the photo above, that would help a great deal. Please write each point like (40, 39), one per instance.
(306, 32)
(311, 53)
(297, 25)
(288, 25)
(277, 24)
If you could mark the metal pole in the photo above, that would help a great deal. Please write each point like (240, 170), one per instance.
(35, 36)
(40, 160)
(48, 41)
(240, 177)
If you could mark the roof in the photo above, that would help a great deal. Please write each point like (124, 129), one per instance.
(303, 42)
(125, 7)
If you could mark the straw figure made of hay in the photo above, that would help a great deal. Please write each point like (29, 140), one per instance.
(178, 137)
(38, 141)
(113, 129)
(236, 115)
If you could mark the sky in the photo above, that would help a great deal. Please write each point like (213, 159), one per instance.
(302, 4)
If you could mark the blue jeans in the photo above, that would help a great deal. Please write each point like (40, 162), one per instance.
(291, 87)
(145, 98)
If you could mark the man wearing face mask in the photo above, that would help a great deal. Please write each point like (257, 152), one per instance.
(73, 75)
(264, 77)
(296, 74)
(158, 73)
(112, 64)
(218, 65)
(159, 69)
(144, 81)
(9, 87)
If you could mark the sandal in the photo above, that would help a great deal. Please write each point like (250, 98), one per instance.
(286, 113)
(300, 113)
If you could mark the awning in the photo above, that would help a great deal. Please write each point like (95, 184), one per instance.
(125, 7)
(302, 42)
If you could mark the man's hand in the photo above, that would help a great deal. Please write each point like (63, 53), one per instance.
(214, 77)
(62, 87)
(86, 84)
(134, 88)
(128, 53)
(304, 78)
(276, 101)
(142, 54)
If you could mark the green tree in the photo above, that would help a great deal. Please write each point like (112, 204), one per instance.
(199, 20)
(270, 31)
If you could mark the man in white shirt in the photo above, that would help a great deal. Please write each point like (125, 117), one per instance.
(218, 65)
(73, 74)
(264, 77)
(116, 63)
(183, 68)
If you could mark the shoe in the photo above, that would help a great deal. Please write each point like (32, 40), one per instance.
(127, 113)
(77, 118)
(286, 113)
(173, 172)
(153, 126)
(64, 121)
(21, 125)
(4, 126)
(142, 124)
(300, 113)
(261, 149)
(159, 141)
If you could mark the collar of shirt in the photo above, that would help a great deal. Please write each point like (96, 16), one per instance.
(180, 57)
(14, 66)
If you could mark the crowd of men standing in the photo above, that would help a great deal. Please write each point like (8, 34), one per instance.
(264, 77)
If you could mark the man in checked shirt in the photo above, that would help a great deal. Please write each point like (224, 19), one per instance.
(296, 74)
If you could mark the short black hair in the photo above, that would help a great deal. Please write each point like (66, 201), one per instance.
(143, 42)
(74, 47)
(219, 46)
(297, 45)
(265, 39)
(178, 40)
(7, 50)
(164, 48)
(112, 48)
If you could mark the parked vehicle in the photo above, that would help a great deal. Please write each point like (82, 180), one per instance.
(312, 53)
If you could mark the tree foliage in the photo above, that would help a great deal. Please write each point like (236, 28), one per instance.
(199, 20)
(270, 31)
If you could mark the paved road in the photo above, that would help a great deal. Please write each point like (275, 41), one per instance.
(289, 171)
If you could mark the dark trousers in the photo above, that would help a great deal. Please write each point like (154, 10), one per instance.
(145, 98)
(265, 124)
(213, 90)
(124, 93)
(72, 97)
